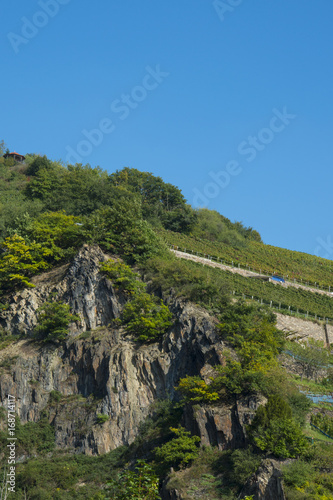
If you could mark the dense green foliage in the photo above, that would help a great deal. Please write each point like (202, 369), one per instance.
(56, 477)
(146, 317)
(273, 429)
(140, 484)
(123, 277)
(32, 437)
(308, 478)
(20, 261)
(195, 390)
(193, 282)
(212, 226)
(53, 322)
(162, 204)
(179, 451)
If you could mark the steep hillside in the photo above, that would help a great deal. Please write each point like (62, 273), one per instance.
(129, 373)
(260, 258)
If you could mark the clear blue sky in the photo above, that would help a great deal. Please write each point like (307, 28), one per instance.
(184, 89)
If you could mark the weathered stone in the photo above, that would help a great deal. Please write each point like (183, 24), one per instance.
(224, 425)
(120, 378)
(265, 484)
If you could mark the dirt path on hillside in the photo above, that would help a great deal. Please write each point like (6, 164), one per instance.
(243, 272)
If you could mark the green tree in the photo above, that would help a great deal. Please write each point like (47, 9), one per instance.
(20, 261)
(122, 276)
(273, 429)
(251, 331)
(146, 317)
(161, 202)
(298, 473)
(179, 451)
(195, 390)
(60, 233)
(53, 322)
(141, 484)
(38, 163)
(122, 230)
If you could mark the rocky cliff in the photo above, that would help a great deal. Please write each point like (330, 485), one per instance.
(100, 370)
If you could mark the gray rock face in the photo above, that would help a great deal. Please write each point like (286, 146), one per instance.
(169, 494)
(89, 294)
(105, 374)
(265, 484)
(223, 425)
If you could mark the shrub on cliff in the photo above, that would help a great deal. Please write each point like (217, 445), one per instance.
(122, 277)
(273, 429)
(19, 261)
(53, 323)
(178, 452)
(141, 484)
(146, 317)
(195, 390)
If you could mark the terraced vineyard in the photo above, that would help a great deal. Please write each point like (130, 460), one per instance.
(301, 267)
(287, 300)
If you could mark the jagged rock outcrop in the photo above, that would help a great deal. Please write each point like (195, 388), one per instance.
(107, 373)
(79, 284)
(266, 483)
(169, 494)
(223, 425)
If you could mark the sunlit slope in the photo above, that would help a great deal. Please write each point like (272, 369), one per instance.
(260, 257)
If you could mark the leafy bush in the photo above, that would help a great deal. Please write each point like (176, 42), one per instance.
(58, 232)
(178, 452)
(146, 317)
(274, 430)
(195, 390)
(215, 227)
(141, 484)
(32, 437)
(122, 276)
(122, 230)
(19, 261)
(56, 476)
(297, 473)
(189, 280)
(251, 331)
(235, 467)
(161, 202)
(235, 378)
(300, 406)
(101, 418)
(55, 396)
(53, 322)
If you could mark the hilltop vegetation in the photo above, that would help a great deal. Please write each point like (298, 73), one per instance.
(47, 212)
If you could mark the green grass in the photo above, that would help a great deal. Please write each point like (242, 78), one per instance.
(316, 435)
(312, 386)
(258, 256)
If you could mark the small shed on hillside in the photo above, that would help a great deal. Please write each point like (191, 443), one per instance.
(15, 156)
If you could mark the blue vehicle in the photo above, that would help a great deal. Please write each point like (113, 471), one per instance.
(279, 279)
